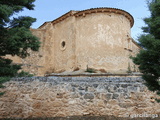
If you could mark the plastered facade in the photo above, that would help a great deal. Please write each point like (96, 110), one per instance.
(95, 38)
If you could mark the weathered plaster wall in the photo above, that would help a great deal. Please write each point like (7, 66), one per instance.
(100, 41)
(36, 62)
(42, 61)
(119, 96)
(64, 45)
(133, 50)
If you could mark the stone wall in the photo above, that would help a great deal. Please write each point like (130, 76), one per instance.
(119, 96)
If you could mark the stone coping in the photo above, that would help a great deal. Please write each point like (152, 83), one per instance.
(82, 80)
(94, 75)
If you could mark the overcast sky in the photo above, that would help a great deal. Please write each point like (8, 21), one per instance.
(48, 10)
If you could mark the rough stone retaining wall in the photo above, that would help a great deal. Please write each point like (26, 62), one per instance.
(46, 97)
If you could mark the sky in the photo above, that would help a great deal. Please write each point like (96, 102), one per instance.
(48, 10)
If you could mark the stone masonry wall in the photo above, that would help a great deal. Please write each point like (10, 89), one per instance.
(35, 97)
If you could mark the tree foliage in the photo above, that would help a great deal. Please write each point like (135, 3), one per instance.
(148, 58)
(15, 35)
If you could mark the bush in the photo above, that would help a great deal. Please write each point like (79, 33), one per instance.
(90, 70)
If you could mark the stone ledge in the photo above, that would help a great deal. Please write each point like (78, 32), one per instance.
(84, 79)
(93, 74)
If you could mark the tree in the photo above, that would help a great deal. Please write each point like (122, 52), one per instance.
(15, 35)
(148, 59)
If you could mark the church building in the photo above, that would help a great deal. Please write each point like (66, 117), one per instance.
(97, 38)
